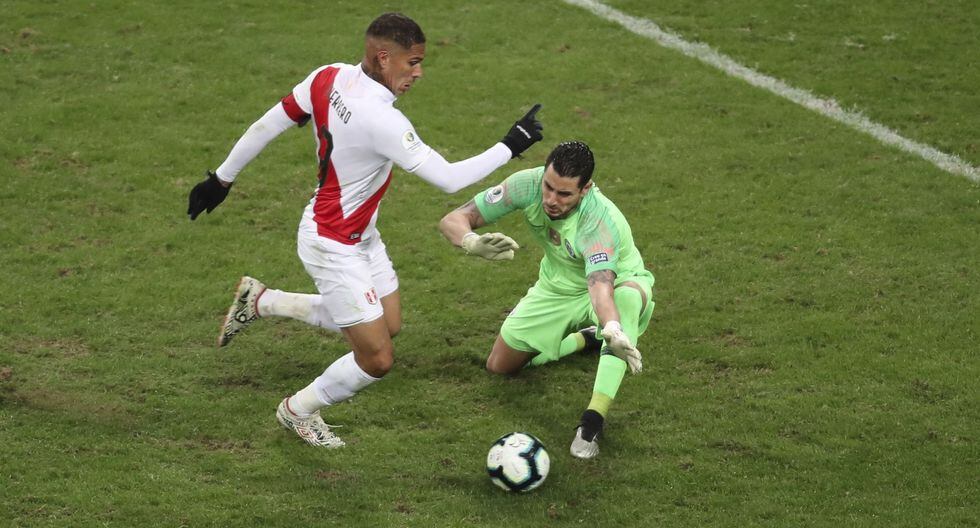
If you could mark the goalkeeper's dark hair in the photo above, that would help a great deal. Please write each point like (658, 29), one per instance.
(398, 28)
(572, 159)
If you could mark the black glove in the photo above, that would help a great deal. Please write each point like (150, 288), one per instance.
(524, 133)
(206, 195)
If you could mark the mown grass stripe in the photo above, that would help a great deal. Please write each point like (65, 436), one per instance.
(822, 105)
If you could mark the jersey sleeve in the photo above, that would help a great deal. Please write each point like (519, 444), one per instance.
(518, 191)
(396, 139)
(293, 110)
(597, 242)
(297, 104)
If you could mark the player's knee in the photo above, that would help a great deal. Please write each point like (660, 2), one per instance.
(496, 366)
(624, 292)
(629, 299)
(379, 366)
(378, 362)
(384, 366)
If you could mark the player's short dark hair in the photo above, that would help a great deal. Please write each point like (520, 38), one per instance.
(398, 28)
(572, 159)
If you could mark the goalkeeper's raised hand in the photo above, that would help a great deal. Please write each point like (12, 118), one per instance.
(206, 195)
(621, 347)
(491, 246)
(524, 133)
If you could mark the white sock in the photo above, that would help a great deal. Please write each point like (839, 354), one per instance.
(342, 379)
(303, 306)
(305, 402)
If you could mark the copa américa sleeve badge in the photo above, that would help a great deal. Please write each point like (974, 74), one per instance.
(494, 194)
(410, 141)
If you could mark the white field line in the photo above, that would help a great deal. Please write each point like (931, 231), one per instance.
(827, 107)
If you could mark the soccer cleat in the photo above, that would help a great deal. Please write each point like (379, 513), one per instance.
(586, 442)
(582, 448)
(592, 343)
(244, 309)
(311, 429)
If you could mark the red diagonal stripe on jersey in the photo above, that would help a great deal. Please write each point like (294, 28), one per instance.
(329, 216)
(320, 98)
(327, 210)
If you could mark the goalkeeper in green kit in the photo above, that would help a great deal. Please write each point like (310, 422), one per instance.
(591, 274)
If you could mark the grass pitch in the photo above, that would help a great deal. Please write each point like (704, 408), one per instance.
(813, 355)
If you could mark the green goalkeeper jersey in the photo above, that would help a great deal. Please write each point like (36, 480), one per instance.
(595, 236)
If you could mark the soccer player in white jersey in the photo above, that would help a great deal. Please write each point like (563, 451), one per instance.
(359, 136)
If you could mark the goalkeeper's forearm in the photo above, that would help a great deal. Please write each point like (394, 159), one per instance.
(454, 226)
(601, 288)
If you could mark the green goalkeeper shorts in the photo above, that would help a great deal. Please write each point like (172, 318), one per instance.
(543, 318)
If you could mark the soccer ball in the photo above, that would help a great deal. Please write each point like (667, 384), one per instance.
(518, 462)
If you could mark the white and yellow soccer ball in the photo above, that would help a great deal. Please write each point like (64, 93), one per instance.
(518, 462)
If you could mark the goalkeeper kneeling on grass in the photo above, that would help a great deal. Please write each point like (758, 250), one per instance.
(591, 274)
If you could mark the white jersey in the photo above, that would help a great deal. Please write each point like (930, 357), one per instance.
(359, 135)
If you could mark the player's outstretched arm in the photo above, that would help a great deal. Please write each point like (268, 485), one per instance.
(451, 177)
(458, 226)
(601, 288)
(208, 194)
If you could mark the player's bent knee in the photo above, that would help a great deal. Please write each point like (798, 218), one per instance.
(505, 360)
(627, 296)
(626, 292)
(494, 368)
(378, 365)
(497, 366)
(377, 361)
(372, 346)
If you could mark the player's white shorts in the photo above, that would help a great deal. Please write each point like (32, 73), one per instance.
(351, 279)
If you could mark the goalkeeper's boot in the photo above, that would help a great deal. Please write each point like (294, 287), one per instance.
(592, 343)
(586, 442)
(244, 309)
(311, 429)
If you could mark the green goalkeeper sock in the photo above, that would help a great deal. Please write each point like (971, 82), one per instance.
(600, 403)
(572, 343)
(607, 380)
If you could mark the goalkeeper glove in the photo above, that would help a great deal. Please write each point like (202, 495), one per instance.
(206, 195)
(524, 133)
(491, 246)
(619, 344)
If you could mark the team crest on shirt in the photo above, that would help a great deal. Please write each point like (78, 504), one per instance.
(568, 247)
(371, 296)
(494, 194)
(554, 236)
(410, 141)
